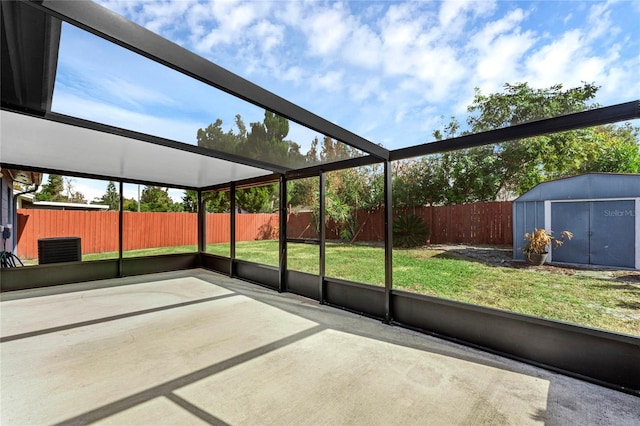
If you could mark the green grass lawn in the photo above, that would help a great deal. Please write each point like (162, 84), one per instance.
(607, 304)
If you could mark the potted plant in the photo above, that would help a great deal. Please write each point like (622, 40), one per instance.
(538, 243)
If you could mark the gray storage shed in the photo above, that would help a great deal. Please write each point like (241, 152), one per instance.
(602, 210)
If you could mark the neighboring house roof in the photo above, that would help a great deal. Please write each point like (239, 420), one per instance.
(27, 201)
(25, 178)
(76, 206)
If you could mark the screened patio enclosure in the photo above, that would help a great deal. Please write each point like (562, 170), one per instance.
(34, 137)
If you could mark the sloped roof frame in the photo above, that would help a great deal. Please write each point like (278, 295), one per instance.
(63, 148)
(30, 50)
(117, 29)
(108, 25)
(30, 43)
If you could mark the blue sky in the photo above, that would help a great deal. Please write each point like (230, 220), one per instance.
(388, 71)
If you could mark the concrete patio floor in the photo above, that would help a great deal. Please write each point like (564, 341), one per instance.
(196, 347)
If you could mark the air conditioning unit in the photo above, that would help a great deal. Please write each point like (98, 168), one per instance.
(61, 249)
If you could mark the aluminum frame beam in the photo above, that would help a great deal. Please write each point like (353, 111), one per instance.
(348, 163)
(579, 120)
(30, 41)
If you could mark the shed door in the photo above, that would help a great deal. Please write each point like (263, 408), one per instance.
(613, 233)
(603, 232)
(573, 217)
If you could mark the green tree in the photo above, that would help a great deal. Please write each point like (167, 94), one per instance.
(420, 182)
(303, 192)
(110, 198)
(77, 197)
(130, 205)
(329, 150)
(259, 199)
(265, 141)
(215, 202)
(214, 137)
(348, 191)
(60, 189)
(176, 207)
(52, 190)
(156, 199)
(190, 201)
(70, 194)
(514, 167)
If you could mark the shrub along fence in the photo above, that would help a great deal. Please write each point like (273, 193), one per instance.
(478, 223)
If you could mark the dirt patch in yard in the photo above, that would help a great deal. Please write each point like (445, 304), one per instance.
(503, 256)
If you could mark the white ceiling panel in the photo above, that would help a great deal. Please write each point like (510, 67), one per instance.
(41, 143)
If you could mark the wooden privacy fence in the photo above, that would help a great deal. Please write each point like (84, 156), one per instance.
(478, 223)
(98, 230)
(475, 223)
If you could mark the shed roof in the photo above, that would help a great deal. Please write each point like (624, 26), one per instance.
(585, 187)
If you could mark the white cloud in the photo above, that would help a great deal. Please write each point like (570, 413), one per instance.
(294, 74)
(387, 69)
(555, 62)
(269, 35)
(499, 48)
(599, 21)
(132, 93)
(91, 189)
(452, 10)
(401, 26)
(161, 16)
(483, 39)
(567, 18)
(363, 48)
(179, 130)
(330, 81)
(326, 30)
(620, 82)
(224, 23)
(361, 91)
(124, 8)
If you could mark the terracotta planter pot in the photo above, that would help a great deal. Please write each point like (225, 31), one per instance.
(537, 258)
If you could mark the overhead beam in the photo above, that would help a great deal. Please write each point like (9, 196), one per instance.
(117, 29)
(311, 171)
(329, 167)
(579, 120)
(30, 40)
(71, 173)
(244, 183)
